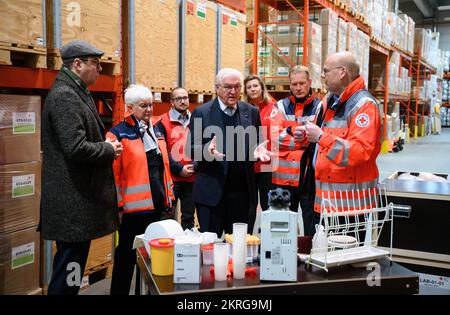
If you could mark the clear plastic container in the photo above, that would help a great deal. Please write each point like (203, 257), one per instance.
(208, 254)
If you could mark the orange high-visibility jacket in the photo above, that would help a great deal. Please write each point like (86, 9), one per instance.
(175, 135)
(345, 170)
(289, 152)
(131, 169)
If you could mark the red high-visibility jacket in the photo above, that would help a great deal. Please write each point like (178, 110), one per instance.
(265, 109)
(131, 169)
(289, 152)
(175, 135)
(345, 170)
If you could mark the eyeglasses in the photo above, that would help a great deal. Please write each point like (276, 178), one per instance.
(179, 99)
(146, 106)
(97, 62)
(229, 88)
(325, 71)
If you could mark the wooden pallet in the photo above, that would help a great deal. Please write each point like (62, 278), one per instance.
(97, 273)
(110, 64)
(38, 291)
(19, 55)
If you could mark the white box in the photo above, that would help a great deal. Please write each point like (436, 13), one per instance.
(187, 262)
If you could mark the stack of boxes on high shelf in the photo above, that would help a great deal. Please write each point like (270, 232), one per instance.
(326, 34)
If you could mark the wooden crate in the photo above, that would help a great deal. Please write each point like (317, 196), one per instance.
(23, 55)
(200, 46)
(23, 23)
(96, 22)
(155, 48)
(233, 40)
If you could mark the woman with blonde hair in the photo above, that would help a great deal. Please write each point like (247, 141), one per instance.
(256, 94)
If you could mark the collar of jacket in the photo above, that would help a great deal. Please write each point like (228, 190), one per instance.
(352, 88)
(132, 121)
(308, 100)
(71, 75)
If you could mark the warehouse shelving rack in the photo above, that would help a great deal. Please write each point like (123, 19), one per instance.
(302, 8)
(421, 70)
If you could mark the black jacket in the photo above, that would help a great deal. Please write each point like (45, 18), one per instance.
(210, 176)
(78, 193)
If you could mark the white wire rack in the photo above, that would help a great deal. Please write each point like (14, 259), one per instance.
(351, 236)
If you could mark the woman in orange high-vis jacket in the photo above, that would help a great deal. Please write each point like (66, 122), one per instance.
(256, 94)
(143, 182)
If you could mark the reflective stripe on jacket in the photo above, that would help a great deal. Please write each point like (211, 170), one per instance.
(131, 169)
(346, 170)
(289, 152)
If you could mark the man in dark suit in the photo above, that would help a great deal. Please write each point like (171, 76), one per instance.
(78, 201)
(223, 135)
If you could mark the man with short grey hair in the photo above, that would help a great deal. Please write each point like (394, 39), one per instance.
(225, 185)
(78, 202)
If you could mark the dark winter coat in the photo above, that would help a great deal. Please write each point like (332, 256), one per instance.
(78, 193)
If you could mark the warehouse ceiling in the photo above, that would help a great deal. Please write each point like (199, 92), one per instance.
(426, 11)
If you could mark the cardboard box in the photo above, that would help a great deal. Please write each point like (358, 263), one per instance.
(20, 195)
(352, 37)
(341, 35)
(19, 262)
(187, 262)
(20, 128)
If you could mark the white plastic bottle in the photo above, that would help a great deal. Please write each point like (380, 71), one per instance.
(319, 242)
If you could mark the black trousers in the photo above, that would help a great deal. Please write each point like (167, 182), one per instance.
(68, 267)
(306, 202)
(183, 193)
(264, 184)
(234, 207)
(124, 256)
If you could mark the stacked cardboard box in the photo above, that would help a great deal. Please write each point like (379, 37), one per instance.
(342, 35)
(329, 22)
(19, 261)
(352, 37)
(288, 51)
(20, 182)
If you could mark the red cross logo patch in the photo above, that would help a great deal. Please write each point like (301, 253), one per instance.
(362, 120)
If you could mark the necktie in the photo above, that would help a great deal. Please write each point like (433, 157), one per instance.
(229, 111)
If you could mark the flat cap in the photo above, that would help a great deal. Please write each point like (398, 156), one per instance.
(79, 48)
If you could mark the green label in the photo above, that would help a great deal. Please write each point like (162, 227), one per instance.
(24, 123)
(299, 52)
(201, 10)
(263, 71)
(283, 30)
(264, 52)
(233, 20)
(284, 51)
(22, 186)
(22, 255)
(282, 71)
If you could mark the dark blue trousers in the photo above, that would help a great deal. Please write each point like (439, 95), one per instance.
(68, 267)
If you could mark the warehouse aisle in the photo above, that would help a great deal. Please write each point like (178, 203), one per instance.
(428, 154)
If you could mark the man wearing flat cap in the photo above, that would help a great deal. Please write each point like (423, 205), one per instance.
(78, 202)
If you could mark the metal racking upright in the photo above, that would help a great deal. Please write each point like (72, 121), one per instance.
(421, 70)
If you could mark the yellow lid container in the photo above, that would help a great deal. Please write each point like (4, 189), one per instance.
(161, 253)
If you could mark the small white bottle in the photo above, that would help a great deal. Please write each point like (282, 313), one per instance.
(319, 242)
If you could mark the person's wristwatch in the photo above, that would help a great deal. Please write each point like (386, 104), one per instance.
(320, 136)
